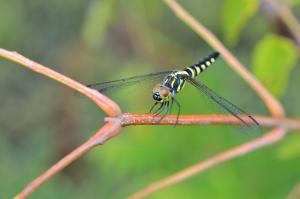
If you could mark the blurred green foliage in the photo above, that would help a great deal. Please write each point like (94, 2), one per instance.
(100, 40)
(290, 148)
(292, 3)
(98, 18)
(235, 15)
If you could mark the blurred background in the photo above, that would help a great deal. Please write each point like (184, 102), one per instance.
(100, 40)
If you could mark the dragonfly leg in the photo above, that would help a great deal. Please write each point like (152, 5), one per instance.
(178, 112)
(152, 107)
(171, 106)
(160, 109)
(170, 110)
(166, 112)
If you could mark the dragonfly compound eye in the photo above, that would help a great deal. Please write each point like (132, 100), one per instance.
(164, 92)
(157, 96)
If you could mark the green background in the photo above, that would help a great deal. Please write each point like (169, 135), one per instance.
(93, 41)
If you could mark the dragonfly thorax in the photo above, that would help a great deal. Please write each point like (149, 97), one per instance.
(175, 81)
(161, 93)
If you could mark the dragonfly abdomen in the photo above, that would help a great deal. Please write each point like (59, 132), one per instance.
(196, 69)
(176, 81)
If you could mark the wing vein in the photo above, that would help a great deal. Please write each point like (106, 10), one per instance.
(110, 85)
(225, 104)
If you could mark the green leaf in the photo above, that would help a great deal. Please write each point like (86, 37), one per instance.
(290, 148)
(273, 58)
(235, 15)
(99, 17)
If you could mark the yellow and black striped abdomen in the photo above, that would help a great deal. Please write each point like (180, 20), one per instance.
(196, 69)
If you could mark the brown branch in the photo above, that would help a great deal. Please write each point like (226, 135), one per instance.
(270, 138)
(149, 119)
(273, 105)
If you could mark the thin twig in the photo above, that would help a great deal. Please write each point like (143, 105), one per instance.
(273, 105)
(270, 138)
(148, 119)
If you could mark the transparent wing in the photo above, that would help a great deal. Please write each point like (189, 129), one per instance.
(225, 104)
(111, 85)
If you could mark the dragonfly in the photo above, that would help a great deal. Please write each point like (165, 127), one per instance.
(164, 93)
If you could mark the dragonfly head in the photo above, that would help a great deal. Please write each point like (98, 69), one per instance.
(161, 93)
